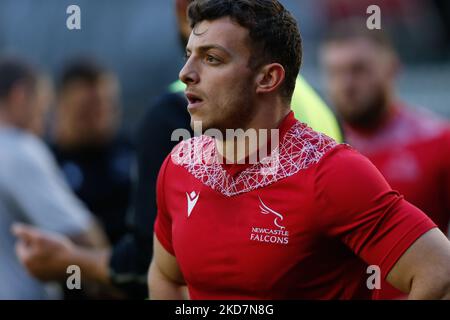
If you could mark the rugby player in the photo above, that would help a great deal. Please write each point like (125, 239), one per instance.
(306, 228)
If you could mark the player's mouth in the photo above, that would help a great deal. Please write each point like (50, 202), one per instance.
(194, 100)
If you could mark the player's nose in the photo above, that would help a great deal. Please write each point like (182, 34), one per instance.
(188, 73)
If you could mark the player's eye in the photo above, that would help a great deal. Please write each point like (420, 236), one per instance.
(186, 57)
(211, 59)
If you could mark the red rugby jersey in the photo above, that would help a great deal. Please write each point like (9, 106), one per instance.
(303, 223)
(412, 151)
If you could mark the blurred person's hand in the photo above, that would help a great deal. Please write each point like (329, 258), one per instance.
(46, 255)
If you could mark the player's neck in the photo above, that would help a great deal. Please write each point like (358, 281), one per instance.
(260, 133)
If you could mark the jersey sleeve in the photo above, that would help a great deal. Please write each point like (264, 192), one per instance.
(357, 206)
(163, 223)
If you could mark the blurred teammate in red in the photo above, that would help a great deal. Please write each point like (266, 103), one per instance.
(304, 222)
(410, 147)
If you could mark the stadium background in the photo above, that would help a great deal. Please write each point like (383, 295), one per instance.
(138, 40)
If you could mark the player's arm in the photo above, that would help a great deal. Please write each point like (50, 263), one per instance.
(165, 280)
(360, 208)
(424, 269)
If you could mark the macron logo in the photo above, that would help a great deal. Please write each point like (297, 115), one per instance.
(192, 201)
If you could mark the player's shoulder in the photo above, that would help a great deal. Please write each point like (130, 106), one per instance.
(342, 155)
(305, 141)
(343, 167)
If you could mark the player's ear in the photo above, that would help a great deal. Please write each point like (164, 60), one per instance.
(269, 78)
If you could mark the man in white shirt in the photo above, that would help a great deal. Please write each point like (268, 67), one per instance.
(32, 189)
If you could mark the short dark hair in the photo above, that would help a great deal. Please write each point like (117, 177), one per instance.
(14, 71)
(350, 29)
(273, 32)
(81, 69)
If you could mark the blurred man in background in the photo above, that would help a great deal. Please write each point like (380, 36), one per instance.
(32, 189)
(410, 147)
(94, 156)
